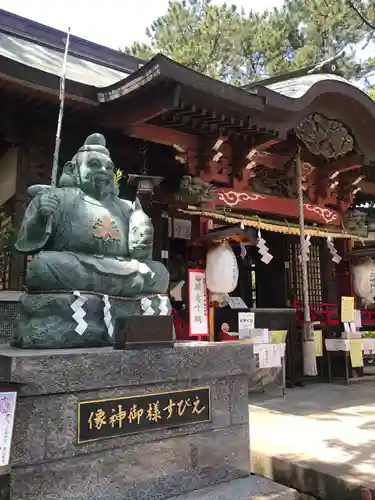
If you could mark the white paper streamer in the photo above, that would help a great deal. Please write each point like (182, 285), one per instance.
(243, 251)
(263, 249)
(305, 249)
(107, 315)
(149, 312)
(332, 250)
(79, 313)
(146, 307)
(163, 306)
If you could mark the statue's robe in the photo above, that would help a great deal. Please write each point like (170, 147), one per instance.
(85, 247)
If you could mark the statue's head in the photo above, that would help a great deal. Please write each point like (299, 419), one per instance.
(91, 168)
(141, 233)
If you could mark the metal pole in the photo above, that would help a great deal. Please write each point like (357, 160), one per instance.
(55, 164)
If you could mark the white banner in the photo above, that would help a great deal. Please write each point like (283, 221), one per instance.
(7, 411)
(269, 354)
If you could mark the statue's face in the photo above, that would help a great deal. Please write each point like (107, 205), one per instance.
(96, 173)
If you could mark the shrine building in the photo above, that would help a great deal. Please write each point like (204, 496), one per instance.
(226, 156)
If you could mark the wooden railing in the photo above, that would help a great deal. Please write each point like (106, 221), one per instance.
(329, 314)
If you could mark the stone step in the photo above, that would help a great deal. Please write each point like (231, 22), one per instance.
(249, 488)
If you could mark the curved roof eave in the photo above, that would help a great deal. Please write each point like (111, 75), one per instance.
(161, 67)
(299, 94)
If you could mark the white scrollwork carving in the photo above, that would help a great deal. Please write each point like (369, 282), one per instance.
(233, 198)
(325, 213)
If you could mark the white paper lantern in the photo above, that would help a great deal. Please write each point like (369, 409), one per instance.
(364, 281)
(221, 269)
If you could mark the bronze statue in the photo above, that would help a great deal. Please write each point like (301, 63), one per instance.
(88, 244)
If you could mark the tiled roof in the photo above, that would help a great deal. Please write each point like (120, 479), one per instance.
(50, 60)
(297, 87)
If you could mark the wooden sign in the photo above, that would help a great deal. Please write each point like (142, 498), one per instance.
(105, 418)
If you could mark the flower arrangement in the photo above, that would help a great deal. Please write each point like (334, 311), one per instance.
(117, 175)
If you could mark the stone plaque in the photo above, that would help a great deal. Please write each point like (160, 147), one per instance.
(105, 418)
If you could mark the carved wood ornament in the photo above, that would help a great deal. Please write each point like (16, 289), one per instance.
(325, 137)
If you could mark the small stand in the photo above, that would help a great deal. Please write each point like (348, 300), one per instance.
(144, 332)
(338, 355)
(283, 372)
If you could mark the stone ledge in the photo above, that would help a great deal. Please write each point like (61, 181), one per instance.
(250, 488)
(69, 370)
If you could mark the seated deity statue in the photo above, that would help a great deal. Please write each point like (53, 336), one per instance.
(84, 237)
(92, 261)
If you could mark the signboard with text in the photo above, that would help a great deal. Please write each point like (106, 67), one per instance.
(198, 303)
(7, 412)
(105, 418)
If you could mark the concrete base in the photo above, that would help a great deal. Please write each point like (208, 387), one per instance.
(250, 488)
(47, 463)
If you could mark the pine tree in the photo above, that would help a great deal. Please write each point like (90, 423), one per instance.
(226, 43)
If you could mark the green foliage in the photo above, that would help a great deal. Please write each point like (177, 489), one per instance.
(368, 335)
(197, 34)
(226, 43)
(371, 92)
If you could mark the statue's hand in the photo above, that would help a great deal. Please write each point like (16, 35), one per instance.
(48, 205)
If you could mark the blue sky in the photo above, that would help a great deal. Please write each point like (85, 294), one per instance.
(114, 23)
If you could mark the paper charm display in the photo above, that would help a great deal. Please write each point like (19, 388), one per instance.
(332, 250)
(305, 249)
(263, 249)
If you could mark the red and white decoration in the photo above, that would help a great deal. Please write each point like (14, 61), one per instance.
(198, 303)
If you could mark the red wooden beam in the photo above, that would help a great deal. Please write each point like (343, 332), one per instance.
(367, 187)
(160, 135)
(344, 164)
(256, 202)
(267, 159)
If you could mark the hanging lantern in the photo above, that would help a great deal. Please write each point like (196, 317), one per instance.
(221, 269)
(363, 275)
(145, 183)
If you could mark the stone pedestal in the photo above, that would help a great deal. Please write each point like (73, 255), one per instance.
(47, 319)
(47, 463)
